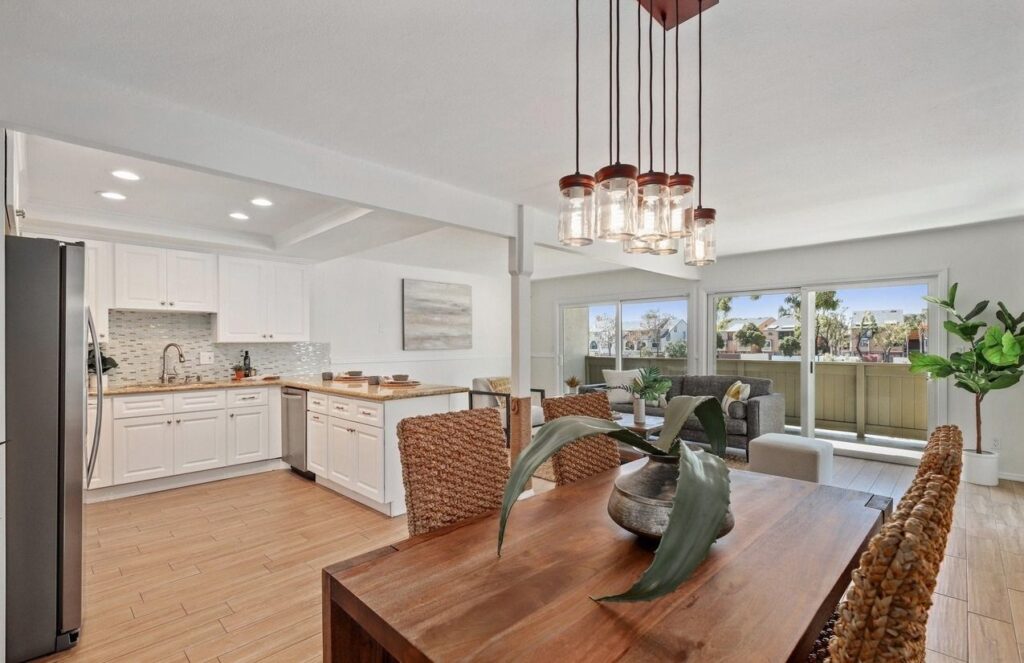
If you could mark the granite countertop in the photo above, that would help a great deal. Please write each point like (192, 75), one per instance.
(311, 383)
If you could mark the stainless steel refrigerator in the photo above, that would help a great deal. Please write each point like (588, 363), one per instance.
(46, 403)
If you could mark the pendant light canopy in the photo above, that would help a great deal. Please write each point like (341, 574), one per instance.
(700, 249)
(648, 213)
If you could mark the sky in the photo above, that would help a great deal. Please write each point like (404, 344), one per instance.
(904, 297)
(631, 311)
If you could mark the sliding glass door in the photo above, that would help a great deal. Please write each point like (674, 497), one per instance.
(623, 334)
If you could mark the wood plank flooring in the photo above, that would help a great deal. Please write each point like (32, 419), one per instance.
(230, 571)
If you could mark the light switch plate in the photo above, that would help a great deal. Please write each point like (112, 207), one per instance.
(205, 358)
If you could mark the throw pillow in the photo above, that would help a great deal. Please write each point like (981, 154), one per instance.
(737, 391)
(501, 385)
(616, 380)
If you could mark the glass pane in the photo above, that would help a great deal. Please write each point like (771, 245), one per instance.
(589, 335)
(863, 390)
(654, 333)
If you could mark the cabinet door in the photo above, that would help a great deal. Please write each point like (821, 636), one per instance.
(200, 441)
(316, 443)
(288, 303)
(143, 448)
(140, 278)
(341, 457)
(242, 307)
(103, 473)
(192, 281)
(99, 285)
(248, 434)
(369, 452)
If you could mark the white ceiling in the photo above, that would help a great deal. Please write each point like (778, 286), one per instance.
(824, 120)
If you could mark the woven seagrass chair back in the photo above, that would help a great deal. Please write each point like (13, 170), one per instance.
(884, 613)
(589, 455)
(454, 467)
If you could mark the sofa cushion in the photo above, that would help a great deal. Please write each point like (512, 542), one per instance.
(738, 410)
(620, 379)
(715, 385)
(732, 426)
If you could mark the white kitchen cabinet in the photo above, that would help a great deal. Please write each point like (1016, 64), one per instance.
(341, 452)
(103, 471)
(143, 448)
(200, 441)
(316, 443)
(248, 434)
(99, 285)
(368, 445)
(191, 281)
(262, 302)
(152, 279)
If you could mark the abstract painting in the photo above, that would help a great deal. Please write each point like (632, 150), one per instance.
(436, 316)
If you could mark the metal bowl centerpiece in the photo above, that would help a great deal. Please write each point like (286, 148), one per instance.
(679, 495)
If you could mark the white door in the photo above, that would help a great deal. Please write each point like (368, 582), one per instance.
(288, 304)
(99, 284)
(143, 448)
(103, 472)
(200, 441)
(316, 443)
(242, 307)
(369, 452)
(341, 457)
(248, 434)
(192, 281)
(140, 278)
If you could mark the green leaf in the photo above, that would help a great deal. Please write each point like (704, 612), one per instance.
(951, 297)
(1005, 381)
(933, 364)
(679, 410)
(935, 300)
(969, 384)
(698, 510)
(963, 330)
(1001, 349)
(977, 310)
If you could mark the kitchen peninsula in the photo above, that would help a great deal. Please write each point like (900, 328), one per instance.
(160, 436)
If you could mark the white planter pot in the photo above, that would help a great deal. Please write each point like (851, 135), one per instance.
(983, 469)
(92, 381)
(639, 411)
(573, 390)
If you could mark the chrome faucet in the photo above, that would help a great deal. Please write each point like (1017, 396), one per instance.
(164, 376)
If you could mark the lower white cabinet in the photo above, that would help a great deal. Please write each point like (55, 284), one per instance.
(103, 472)
(248, 434)
(143, 448)
(341, 452)
(369, 452)
(316, 443)
(199, 441)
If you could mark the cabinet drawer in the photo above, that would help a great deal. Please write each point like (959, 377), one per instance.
(247, 397)
(199, 401)
(143, 405)
(316, 403)
(369, 413)
(343, 408)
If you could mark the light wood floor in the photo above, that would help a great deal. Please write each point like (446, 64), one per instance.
(230, 571)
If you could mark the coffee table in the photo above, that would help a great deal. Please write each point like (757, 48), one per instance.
(651, 427)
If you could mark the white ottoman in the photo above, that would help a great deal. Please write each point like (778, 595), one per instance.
(792, 456)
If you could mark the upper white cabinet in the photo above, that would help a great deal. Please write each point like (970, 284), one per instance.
(164, 280)
(99, 284)
(262, 301)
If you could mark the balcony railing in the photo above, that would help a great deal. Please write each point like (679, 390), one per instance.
(855, 397)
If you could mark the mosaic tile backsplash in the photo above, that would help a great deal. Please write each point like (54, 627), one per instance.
(137, 339)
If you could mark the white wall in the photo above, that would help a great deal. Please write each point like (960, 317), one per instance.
(985, 259)
(358, 310)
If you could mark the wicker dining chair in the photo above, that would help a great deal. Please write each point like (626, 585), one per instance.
(589, 455)
(454, 467)
(883, 615)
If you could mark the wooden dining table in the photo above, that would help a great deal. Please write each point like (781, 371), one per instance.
(763, 594)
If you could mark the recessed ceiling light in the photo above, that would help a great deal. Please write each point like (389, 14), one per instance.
(238, 216)
(261, 202)
(126, 175)
(112, 195)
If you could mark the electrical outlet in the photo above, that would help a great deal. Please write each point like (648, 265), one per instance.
(205, 358)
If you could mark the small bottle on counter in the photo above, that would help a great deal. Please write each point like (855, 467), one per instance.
(247, 364)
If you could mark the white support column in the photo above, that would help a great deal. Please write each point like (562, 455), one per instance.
(520, 268)
(808, 343)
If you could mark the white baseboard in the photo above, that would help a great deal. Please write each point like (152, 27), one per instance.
(1011, 476)
(388, 509)
(181, 480)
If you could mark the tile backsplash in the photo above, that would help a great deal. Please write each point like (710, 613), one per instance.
(137, 339)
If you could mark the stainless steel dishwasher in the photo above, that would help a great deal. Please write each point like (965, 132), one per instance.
(293, 430)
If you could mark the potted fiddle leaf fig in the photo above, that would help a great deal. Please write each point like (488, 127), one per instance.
(992, 359)
(648, 386)
(679, 496)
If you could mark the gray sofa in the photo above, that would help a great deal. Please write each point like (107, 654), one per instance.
(764, 411)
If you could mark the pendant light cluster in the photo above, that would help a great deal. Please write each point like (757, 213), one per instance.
(649, 212)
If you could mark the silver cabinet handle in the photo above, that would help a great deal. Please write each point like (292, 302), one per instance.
(271, 336)
(168, 422)
(246, 398)
(232, 416)
(163, 303)
(177, 421)
(172, 303)
(366, 413)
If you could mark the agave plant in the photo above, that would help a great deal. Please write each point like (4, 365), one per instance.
(699, 505)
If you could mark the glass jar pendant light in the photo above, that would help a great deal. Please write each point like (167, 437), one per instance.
(576, 202)
(652, 186)
(700, 249)
(680, 185)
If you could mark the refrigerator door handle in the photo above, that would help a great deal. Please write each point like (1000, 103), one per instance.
(98, 367)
